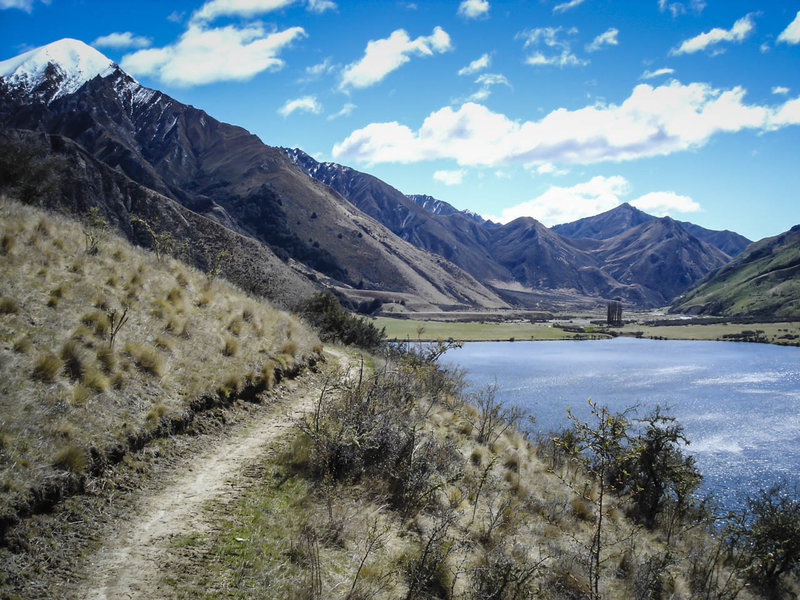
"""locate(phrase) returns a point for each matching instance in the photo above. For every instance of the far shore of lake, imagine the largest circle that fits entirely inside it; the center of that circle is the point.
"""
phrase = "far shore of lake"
(586, 327)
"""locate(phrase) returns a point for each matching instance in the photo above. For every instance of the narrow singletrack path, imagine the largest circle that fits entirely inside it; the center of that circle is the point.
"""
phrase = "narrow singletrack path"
(130, 564)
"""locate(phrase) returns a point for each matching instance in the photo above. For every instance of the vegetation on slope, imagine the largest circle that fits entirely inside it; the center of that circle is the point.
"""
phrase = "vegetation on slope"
(398, 485)
(104, 346)
(764, 280)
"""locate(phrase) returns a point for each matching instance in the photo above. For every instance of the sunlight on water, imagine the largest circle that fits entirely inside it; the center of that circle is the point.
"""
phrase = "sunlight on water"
(739, 403)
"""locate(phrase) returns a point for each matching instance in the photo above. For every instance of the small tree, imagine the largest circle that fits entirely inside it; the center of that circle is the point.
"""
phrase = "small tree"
(95, 229)
(599, 446)
(163, 241)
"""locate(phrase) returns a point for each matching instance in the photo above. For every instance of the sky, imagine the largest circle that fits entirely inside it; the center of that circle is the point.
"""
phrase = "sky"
(554, 109)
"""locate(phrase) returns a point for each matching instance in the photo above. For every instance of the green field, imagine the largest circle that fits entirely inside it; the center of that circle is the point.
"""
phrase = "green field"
(409, 329)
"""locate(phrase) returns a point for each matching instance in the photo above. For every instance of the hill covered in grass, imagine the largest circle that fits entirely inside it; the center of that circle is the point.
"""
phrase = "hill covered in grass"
(763, 281)
(104, 346)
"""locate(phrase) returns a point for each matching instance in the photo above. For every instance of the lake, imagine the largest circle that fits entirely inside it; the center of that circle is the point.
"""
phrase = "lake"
(739, 403)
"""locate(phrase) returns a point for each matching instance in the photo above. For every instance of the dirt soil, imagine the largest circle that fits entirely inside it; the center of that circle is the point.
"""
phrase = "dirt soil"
(138, 556)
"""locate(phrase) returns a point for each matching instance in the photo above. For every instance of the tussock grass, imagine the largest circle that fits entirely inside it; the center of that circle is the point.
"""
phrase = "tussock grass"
(70, 458)
(63, 368)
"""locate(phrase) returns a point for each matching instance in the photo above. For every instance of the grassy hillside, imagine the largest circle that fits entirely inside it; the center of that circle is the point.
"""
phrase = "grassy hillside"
(70, 399)
(764, 280)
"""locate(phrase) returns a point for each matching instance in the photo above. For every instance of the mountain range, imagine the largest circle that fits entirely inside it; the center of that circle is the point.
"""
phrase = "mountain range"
(300, 224)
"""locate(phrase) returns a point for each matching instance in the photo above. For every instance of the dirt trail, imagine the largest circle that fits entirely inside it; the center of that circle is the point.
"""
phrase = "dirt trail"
(129, 566)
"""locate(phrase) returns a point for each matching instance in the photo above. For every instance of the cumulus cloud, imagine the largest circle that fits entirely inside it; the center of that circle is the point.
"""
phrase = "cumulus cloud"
(657, 73)
(304, 104)
(474, 9)
(680, 8)
(740, 30)
(122, 40)
(565, 6)
(607, 38)
(347, 110)
(450, 177)
(202, 56)
(250, 8)
(560, 204)
(479, 64)
(557, 41)
(652, 121)
(662, 204)
(791, 35)
(385, 55)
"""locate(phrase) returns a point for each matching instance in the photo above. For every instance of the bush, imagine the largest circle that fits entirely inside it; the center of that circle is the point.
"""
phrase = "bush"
(147, 359)
(335, 324)
(47, 367)
(70, 458)
(8, 306)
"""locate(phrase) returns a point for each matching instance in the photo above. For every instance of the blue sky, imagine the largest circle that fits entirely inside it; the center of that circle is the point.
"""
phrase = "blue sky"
(548, 108)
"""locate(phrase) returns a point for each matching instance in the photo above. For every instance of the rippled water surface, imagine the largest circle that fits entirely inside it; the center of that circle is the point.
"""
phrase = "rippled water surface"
(739, 403)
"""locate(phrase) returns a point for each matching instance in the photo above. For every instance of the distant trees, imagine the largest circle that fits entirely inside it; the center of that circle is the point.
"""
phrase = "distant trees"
(614, 314)
(28, 168)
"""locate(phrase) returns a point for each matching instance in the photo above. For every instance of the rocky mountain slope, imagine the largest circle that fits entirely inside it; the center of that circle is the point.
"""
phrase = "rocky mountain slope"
(624, 217)
(623, 254)
(764, 280)
(222, 172)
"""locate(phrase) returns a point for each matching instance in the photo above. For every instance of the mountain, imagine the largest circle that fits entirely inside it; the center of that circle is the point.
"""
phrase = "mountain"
(764, 280)
(224, 173)
(622, 254)
(624, 217)
(440, 207)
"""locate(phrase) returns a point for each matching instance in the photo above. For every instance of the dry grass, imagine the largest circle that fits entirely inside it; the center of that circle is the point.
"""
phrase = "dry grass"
(57, 362)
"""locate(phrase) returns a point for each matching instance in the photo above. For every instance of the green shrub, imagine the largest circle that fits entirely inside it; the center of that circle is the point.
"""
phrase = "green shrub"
(335, 324)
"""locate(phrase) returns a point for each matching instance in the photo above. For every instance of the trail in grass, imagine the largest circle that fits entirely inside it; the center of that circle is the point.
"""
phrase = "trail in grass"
(133, 563)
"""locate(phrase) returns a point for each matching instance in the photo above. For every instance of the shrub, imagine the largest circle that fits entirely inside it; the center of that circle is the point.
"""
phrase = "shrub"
(97, 320)
(335, 324)
(148, 360)
(47, 367)
(8, 306)
(73, 359)
(7, 243)
(163, 343)
(70, 458)
(267, 375)
(95, 380)
(65, 430)
(156, 412)
(289, 347)
(231, 347)
(107, 359)
(22, 345)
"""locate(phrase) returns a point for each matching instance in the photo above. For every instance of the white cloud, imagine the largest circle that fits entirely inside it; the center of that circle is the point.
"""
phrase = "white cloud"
(607, 38)
(26, 5)
(791, 35)
(652, 121)
(780, 90)
(680, 8)
(304, 104)
(487, 81)
(176, 16)
(565, 204)
(122, 40)
(474, 9)
(450, 177)
(740, 30)
(250, 8)
(662, 204)
(202, 56)
(347, 110)
(556, 38)
(320, 69)
(657, 73)
(565, 6)
(479, 64)
(383, 56)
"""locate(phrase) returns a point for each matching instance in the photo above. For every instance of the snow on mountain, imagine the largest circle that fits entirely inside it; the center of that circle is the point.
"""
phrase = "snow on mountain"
(56, 69)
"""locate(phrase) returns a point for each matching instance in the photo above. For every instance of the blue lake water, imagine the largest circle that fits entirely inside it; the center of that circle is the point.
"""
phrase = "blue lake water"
(739, 403)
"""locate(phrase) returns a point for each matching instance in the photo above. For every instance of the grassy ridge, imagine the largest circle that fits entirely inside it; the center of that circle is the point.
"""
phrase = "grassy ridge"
(70, 399)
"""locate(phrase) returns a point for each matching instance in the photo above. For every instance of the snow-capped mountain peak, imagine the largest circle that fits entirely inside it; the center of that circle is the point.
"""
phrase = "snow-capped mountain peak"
(56, 69)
